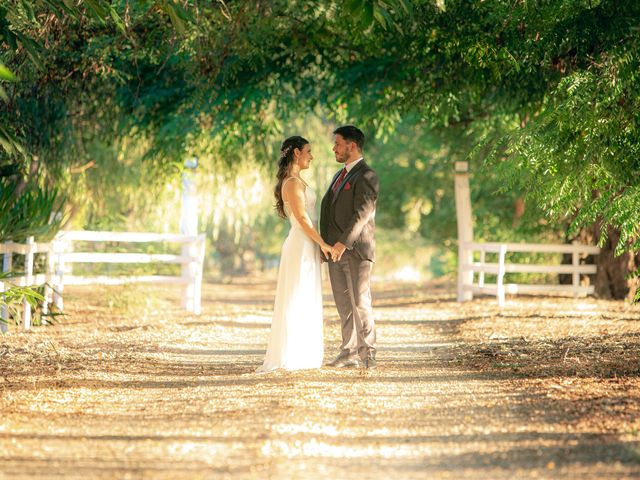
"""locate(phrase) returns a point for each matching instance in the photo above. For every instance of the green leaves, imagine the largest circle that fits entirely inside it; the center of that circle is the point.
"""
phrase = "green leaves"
(556, 82)
(8, 76)
(9, 142)
(33, 49)
(178, 15)
(579, 157)
(32, 212)
(389, 13)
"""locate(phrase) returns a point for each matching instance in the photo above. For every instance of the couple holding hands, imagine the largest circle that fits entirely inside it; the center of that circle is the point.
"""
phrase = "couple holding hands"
(345, 240)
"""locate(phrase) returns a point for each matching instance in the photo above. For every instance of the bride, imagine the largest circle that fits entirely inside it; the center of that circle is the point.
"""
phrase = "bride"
(296, 339)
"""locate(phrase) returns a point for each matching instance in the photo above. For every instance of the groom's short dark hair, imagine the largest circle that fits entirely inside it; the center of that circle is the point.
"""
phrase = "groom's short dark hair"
(351, 133)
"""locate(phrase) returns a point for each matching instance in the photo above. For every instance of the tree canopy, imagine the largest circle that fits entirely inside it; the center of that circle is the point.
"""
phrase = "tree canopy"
(542, 93)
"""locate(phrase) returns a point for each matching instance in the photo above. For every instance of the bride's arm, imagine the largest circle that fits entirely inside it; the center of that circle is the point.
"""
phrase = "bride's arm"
(293, 191)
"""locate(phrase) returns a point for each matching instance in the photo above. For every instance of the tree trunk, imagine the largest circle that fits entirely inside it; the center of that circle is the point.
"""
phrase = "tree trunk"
(611, 280)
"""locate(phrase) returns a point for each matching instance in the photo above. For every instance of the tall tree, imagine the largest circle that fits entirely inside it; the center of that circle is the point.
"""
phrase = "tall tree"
(546, 90)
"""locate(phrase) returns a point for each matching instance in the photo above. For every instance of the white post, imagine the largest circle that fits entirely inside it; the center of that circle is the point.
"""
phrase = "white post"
(483, 256)
(28, 263)
(197, 279)
(4, 317)
(59, 247)
(501, 270)
(465, 230)
(48, 280)
(189, 226)
(576, 275)
(7, 261)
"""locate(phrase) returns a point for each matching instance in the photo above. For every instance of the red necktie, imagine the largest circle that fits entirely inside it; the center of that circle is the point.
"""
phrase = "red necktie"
(339, 180)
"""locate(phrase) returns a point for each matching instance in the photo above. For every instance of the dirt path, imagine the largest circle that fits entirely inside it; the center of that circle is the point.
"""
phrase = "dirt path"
(128, 386)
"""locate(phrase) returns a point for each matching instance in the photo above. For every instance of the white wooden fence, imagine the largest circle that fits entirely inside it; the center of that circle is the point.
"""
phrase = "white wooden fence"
(499, 269)
(467, 267)
(60, 255)
(29, 250)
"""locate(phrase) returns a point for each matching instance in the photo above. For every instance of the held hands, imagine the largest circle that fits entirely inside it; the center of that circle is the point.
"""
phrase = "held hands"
(326, 250)
(337, 250)
(333, 253)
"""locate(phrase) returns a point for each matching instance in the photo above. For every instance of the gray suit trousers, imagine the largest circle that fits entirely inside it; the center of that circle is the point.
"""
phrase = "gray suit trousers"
(350, 283)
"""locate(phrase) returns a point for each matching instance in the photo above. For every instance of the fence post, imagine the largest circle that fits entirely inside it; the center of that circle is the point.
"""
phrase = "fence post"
(501, 270)
(189, 274)
(465, 230)
(189, 226)
(575, 260)
(7, 262)
(483, 256)
(28, 264)
(3, 314)
(50, 272)
(197, 279)
(59, 247)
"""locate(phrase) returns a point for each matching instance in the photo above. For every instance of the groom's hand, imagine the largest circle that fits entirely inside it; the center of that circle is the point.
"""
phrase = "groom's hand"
(337, 251)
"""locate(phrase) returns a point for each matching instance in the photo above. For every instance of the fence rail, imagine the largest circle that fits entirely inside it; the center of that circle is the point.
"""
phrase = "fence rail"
(60, 256)
(106, 236)
(25, 249)
(123, 258)
(532, 247)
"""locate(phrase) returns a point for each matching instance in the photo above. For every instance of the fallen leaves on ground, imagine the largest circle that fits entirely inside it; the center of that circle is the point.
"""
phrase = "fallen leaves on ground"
(127, 385)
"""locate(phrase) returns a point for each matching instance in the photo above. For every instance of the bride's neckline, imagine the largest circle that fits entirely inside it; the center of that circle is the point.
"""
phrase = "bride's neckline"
(295, 176)
(306, 185)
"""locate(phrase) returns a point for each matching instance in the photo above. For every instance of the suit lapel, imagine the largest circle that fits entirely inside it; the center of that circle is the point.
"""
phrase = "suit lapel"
(354, 171)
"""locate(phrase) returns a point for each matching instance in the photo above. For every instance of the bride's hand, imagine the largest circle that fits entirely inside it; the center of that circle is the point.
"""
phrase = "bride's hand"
(326, 250)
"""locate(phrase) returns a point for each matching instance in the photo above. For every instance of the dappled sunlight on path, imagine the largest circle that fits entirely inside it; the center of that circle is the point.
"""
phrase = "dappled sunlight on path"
(129, 385)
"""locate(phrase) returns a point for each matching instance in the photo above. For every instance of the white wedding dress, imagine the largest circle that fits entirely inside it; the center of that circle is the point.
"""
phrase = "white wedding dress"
(296, 340)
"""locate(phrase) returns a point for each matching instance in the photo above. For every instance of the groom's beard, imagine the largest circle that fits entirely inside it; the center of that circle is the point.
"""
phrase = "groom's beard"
(342, 158)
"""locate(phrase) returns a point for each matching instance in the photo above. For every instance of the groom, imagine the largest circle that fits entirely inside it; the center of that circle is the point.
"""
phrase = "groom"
(347, 221)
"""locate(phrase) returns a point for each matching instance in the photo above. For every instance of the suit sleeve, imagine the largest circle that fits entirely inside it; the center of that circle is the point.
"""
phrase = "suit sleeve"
(366, 195)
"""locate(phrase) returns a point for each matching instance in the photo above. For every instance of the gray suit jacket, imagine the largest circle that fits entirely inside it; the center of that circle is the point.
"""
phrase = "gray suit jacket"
(348, 216)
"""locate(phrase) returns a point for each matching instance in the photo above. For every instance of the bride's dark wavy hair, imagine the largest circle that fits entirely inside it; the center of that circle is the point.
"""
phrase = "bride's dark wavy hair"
(286, 158)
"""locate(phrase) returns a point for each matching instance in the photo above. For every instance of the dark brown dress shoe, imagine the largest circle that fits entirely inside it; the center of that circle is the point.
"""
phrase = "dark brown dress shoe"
(370, 363)
(344, 361)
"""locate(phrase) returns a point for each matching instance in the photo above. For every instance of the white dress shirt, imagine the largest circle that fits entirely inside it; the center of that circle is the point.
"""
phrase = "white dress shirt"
(350, 166)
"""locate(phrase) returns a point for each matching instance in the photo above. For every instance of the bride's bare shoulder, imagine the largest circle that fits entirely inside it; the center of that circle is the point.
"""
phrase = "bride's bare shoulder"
(296, 184)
